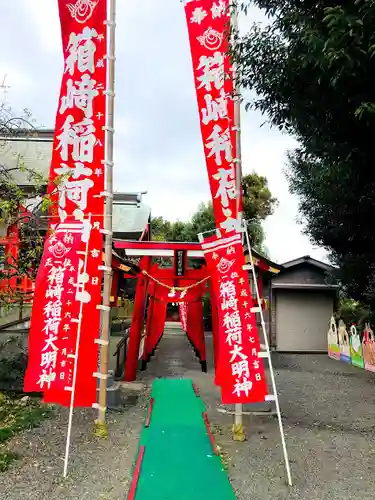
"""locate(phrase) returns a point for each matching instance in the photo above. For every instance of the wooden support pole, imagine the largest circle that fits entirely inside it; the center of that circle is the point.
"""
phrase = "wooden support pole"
(100, 423)
(238, 430)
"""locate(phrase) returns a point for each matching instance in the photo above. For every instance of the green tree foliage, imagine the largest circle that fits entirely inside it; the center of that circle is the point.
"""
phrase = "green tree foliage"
(351, 311)
(312, 70)
(14, 201)
(258, 203)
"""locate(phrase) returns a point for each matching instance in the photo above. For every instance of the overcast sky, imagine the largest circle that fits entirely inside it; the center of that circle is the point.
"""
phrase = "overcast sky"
(158, 146)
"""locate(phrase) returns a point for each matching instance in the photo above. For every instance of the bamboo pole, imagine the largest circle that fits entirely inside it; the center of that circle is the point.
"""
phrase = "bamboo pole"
(238, 430)
(75, 369)
(101, 425)
(272, 374)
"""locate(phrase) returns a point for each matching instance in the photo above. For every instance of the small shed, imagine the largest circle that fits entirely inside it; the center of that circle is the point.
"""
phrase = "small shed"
(303, 300)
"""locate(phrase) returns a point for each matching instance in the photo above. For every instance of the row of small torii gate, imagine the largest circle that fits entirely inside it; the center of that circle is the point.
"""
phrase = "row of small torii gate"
(157, 286)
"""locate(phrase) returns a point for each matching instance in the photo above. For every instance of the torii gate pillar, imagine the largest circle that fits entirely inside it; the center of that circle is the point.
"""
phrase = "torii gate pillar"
(138, 318)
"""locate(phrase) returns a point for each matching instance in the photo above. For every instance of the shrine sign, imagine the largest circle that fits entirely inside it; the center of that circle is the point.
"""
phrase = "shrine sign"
(240, 371)
(208, 24)
(68, 286)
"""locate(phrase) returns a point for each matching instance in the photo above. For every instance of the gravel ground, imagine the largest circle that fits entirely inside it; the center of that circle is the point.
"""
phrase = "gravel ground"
(328, 410)
(98, 469)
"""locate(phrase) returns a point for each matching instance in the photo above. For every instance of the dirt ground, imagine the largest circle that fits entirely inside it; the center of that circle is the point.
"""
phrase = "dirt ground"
(328, 413)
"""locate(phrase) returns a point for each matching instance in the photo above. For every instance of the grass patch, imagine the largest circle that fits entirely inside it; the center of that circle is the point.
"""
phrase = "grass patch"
(6, 458)
(16, 414)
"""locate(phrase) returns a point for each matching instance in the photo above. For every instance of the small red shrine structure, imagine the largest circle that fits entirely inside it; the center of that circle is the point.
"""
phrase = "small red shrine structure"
(10, 246)
(156, 287)
(185, 280)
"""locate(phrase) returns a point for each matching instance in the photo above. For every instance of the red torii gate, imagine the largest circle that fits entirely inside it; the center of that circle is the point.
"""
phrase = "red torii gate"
(178, 283)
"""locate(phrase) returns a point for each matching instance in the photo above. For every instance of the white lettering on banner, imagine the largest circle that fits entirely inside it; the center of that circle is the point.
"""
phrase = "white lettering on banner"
(95, 253)
(213, 71)
(230, 251)
(54, 291)
(230, 223)
(241, 369)
(243, 293)
(237, 352)
(244, 386)
(227, 187)
(68, 238)
(227, 290)
(80, 136)
(46, 378)
(75, 191)
(218, 9)
(53, 309)
(80, 96)
(232, 320)
(215, 108)
(233, 335)
(51, 338)
(256, 364)
(49, 359)
(219, 142)
(198, 16)
(81, 50)
(229, 304)
(74, 172)
(56, 275)
(81, 294)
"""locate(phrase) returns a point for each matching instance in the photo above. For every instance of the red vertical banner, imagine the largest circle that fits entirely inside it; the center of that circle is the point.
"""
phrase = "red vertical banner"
(76, 188)
(182, 306)
(208, 24)
(240, 371)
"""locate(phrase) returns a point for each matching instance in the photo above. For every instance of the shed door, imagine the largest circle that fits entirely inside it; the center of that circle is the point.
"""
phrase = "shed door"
(302, 319)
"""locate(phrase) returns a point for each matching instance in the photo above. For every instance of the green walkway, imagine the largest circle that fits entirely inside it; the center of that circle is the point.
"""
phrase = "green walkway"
(178, 460)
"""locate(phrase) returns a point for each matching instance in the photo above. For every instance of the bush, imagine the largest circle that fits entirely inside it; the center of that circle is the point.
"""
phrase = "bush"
(351, 311)
(13, 362)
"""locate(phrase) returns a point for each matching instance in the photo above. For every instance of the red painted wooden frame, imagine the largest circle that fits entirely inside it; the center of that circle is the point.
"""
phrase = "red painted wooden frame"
(209, 432)
(149, 411)
(136, 475)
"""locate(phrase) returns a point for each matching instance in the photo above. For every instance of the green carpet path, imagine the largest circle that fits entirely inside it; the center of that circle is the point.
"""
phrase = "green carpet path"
(179, 462)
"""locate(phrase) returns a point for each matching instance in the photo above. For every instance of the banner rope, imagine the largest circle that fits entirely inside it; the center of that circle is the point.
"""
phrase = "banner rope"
(175, 288)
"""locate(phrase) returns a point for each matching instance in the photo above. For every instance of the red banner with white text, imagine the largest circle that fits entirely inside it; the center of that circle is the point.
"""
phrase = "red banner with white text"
(182, 307)
(208, 25)
(76, 188)
(240, 371)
